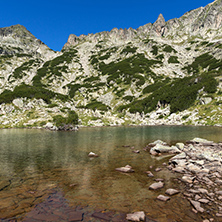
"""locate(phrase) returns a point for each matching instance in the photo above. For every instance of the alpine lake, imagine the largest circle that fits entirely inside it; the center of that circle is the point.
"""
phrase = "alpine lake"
(37, 163)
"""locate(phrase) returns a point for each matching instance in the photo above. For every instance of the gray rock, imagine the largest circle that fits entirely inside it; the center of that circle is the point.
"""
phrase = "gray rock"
(137, 216)
(171, 191)
(180, 146)
(156, 186)
(200, 140)
(163, 198)
(18, 102)
(159, 148)
(126, 169)
(197, 206)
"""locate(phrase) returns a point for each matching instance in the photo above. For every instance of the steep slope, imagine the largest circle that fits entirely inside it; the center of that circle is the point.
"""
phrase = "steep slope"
(161, 73)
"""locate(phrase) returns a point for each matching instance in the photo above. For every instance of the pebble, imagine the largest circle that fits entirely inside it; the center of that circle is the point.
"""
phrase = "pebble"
(163, 198)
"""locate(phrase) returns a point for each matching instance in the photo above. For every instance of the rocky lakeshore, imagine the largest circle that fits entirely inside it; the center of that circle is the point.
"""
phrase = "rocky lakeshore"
(198, 164)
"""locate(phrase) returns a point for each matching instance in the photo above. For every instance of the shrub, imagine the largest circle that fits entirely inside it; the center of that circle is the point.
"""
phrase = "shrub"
(173, 59)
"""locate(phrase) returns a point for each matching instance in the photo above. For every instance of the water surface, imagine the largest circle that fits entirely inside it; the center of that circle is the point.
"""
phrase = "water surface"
(35, 161)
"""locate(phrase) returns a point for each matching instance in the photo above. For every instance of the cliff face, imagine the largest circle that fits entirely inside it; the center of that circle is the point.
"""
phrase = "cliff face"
(168, 72)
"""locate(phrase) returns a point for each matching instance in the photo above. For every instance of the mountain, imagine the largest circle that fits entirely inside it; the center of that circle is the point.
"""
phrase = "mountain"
(168, 72)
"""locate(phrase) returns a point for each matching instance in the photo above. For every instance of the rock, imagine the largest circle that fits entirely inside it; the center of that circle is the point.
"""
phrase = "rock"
(158, 169)
(179, 170)
(180, 146)
(205, 201)
(156, 186)
(205, 100)
(179, 156)
(149, 174)
(218, 181)
(137, 216)
(197, 206)
(171, 191)
(126, 169)
(159, 148)
(193, 168)
(75, 216)
(159, 179)
(136, 151)
(218, 215)
(91, 154)
(18, 102)
(219, 192)
(200, 140)
(163, 198)
(188, 179)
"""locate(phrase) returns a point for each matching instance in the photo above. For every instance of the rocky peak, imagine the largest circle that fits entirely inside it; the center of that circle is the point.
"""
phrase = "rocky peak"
(159, 25)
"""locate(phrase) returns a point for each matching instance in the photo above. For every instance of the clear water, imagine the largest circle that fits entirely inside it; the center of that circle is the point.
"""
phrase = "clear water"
(35, 161)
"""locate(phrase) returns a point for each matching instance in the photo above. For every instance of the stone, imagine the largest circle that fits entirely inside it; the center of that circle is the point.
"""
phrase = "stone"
(159, 148)
(218, 215)
(218, 181)
(172, 191)
(179, 170)
(179, 156)
(156, 186)
(197, 206)
(188, 179)
(163, 198)
(200, 140)
(158, 169)
(18, 102)
(137, 216)
(136, 151)
(193, 168)
(126, 169)
(205, 201)
(91, 154)
(149, 174)
(180, 146)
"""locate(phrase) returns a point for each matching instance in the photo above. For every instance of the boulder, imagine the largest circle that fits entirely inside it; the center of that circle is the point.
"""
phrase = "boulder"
(180, 146)
(126, 169)
(163, 198)
(200, 140)
(137, 216)
(171, 192)
(156, 186)
(159, 148)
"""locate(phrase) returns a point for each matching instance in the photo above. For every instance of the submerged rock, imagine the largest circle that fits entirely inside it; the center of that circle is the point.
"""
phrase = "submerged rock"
(171, 192)
(91, 154)
(137, 216)
(126, 169)
(156, 186)
(163, 198)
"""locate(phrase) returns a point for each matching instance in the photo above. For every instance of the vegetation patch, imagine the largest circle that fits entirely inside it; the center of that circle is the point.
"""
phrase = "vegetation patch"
(173, 59)
(169, 49)
(61, 121)
(97, 106)
(180, 94)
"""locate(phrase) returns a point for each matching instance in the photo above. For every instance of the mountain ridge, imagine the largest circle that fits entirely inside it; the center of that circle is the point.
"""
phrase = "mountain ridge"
(168, 72)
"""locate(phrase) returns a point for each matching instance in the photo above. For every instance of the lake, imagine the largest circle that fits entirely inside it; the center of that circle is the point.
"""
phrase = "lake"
(33, 162)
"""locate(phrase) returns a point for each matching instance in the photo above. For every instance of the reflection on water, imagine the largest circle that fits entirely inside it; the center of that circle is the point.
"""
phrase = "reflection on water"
(33, 161)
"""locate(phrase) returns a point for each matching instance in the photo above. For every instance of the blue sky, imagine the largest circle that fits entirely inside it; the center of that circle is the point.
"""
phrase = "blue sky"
(53, 21)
